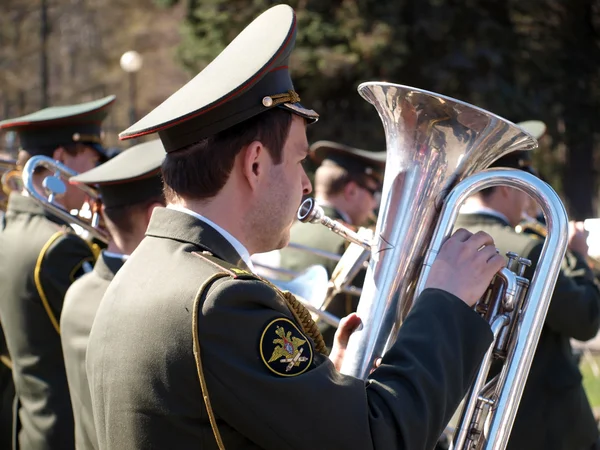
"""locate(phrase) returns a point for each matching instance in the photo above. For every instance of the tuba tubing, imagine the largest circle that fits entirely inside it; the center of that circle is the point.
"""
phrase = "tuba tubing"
(537, 299)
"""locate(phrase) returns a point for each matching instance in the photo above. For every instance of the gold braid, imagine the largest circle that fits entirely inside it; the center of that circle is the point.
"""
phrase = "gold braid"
(303, 317)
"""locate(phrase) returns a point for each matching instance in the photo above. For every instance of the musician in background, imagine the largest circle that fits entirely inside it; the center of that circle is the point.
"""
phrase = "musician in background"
(348, 184)
(40, 256)
(7, 386)
(130, 187)
(190, 349)
(554, 412)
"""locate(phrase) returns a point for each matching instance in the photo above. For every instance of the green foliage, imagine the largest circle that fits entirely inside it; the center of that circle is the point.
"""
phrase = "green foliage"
(521, 60)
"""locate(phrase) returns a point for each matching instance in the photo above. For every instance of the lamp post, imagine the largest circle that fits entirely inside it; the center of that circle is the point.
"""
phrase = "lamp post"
(131, 62)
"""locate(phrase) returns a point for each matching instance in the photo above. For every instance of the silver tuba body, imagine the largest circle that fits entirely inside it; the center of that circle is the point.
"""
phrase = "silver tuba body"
(433, 142)
(437, 151)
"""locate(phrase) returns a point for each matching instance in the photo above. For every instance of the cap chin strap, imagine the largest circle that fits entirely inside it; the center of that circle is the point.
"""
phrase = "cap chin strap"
(278, 99)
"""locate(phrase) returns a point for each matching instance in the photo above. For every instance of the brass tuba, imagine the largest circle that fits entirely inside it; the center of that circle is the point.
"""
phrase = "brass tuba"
(437, 150)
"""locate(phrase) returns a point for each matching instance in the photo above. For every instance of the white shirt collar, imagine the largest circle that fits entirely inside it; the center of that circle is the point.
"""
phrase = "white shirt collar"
(237, 245)
(478, 209)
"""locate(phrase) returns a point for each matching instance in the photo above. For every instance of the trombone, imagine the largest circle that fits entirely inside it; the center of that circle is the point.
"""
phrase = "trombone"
(54, 186)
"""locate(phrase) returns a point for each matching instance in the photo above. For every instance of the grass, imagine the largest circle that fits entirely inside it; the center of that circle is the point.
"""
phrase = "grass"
(591, 380)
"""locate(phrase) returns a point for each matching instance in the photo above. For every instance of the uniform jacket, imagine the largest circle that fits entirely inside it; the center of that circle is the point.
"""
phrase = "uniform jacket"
(171, 298)
(554, 412)
(7, 394)
(81, 303)
(40, 257)
(321, 238)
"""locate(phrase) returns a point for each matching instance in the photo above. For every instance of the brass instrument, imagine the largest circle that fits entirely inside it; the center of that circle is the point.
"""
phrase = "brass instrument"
(310, 288)
(54, 186)
(10, 179)
(437, 150)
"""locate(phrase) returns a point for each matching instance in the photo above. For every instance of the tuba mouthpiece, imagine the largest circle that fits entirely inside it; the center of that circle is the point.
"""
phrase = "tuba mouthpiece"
(310, 212)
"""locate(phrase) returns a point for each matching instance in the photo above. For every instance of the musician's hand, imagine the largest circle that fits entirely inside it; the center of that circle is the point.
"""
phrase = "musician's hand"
(578, 238)
(466, 265)
(348, 325)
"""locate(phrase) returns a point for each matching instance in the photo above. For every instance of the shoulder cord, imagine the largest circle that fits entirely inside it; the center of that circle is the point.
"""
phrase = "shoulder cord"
(38, 281)
(300, 313)
(303, 317)
(38, 272)
(196, 343)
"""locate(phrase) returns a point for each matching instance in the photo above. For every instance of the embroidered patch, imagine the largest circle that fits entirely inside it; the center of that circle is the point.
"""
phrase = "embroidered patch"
(284, 349)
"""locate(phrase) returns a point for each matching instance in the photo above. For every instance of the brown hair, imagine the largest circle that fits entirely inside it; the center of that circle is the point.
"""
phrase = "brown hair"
(122, 217)
(200, 170)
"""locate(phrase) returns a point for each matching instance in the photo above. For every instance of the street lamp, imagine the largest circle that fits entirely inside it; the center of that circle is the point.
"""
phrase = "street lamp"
(131, 62)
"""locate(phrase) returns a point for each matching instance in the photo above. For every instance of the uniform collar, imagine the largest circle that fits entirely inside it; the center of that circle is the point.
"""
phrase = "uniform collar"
(482, 217)
(237, 245)
(21, 204)
(484, 211)
(107, 266)
(179, 226)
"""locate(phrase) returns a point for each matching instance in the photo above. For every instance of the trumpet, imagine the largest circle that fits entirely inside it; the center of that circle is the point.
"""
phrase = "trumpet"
(54, 186)
(437, 151)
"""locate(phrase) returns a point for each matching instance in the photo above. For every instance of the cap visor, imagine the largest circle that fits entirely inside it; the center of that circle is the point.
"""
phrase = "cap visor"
(296, 108)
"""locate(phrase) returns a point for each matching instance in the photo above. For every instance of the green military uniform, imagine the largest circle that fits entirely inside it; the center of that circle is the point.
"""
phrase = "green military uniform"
(128, 179)
(40, 256)
(554, 412)
(189, 348)
(358, 163)
(7, 395)
(172, 299)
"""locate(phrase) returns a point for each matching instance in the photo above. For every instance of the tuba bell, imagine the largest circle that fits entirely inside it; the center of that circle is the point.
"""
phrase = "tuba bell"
(437, 151)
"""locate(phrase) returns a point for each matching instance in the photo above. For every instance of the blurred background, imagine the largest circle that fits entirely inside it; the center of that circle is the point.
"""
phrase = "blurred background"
(523, 60)
(534, 59)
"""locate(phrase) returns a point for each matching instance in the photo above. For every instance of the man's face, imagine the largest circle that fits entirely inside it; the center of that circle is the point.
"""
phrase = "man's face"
(365, 202)
(517, 202)
(285, 186)
(85, 159)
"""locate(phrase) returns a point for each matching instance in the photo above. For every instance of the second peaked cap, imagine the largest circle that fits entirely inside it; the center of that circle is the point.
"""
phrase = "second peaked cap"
(248, 77)
(131, 177)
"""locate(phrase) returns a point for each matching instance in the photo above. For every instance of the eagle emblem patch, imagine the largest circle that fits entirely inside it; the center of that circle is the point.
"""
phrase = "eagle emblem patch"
(284, 349)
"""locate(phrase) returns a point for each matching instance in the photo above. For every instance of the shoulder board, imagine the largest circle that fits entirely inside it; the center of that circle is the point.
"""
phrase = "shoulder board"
(231, 269)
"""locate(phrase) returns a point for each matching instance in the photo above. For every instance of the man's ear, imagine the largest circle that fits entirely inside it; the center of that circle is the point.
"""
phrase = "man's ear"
(254, 160)
(350, 190)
